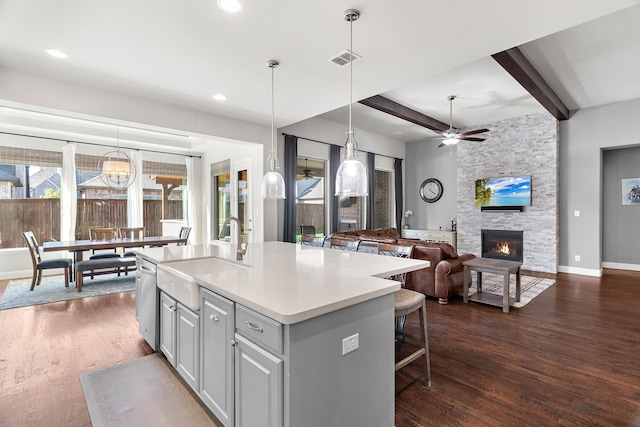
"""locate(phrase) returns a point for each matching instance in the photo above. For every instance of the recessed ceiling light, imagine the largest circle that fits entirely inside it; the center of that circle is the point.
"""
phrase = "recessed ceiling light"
(232, 6)
(56, 53)
(219, 97)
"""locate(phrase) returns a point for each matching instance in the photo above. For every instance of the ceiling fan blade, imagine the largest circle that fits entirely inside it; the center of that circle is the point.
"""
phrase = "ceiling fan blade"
(474, 132)
(442, 144)
(465, 138)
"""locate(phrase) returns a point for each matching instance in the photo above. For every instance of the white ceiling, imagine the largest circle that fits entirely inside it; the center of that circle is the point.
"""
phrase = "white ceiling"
(415, 52)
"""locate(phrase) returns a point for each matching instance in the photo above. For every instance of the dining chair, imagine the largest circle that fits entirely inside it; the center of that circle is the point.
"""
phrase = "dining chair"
(184, 234)
(344, 245)
(308, 230)
(39, 264)
(131, 233)
(103, 233)
(312, 241)
(368, 247)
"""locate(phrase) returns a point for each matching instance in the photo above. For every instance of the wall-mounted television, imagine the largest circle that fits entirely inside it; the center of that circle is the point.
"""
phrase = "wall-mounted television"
(504, 191)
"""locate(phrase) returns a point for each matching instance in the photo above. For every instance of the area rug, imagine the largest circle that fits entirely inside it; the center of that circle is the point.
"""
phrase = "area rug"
(52, 289)
(530, 287)
(141, 392)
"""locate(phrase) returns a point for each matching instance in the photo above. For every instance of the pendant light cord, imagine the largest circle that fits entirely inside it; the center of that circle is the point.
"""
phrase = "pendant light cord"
(273, 113)
(273, 158)
(350, 74)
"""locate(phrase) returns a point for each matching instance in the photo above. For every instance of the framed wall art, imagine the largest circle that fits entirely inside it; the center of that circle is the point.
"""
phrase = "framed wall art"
(631, 191)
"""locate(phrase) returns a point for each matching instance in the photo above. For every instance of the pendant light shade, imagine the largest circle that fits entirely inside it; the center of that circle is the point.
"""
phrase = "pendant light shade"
(272, 181)
(351, 178)
(118, 171)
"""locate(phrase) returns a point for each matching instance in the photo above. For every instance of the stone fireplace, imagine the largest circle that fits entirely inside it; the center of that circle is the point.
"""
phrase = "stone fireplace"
(502, 244)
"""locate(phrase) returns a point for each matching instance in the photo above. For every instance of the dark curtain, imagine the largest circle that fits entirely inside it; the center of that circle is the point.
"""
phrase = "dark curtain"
(371, 187)
(290, 167)
(334, 164)
(397, 165)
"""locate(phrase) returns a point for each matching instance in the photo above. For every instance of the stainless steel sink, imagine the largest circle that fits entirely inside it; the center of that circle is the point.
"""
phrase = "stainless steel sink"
(177, 278)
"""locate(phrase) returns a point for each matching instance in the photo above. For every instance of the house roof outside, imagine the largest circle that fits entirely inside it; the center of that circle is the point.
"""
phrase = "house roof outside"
(7, 177)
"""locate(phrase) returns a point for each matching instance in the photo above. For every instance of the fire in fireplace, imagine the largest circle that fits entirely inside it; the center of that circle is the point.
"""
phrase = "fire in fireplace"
(502, 244)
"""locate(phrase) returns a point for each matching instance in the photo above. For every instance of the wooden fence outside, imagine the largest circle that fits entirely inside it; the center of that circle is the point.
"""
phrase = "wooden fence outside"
(310, 214)
(42, 216)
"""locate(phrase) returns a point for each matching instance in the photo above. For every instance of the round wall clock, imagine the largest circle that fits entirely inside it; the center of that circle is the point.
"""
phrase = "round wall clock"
(431, 190)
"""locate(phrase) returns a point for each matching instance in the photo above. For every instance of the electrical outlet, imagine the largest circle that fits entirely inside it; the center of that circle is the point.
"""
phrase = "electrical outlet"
(577, 258)
(350, 344)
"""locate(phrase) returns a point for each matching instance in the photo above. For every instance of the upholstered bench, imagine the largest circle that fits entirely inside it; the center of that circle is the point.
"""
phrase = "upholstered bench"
(103, 266)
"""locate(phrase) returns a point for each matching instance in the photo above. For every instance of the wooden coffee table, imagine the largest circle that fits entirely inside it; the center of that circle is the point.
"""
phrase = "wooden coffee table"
(496, 266)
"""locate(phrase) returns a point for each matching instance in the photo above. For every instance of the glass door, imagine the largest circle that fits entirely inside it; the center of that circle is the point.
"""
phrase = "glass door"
(241, 202)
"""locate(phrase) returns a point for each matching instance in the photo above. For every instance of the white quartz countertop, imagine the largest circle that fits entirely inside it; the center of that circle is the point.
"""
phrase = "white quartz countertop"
(289, 282)
(184, 252)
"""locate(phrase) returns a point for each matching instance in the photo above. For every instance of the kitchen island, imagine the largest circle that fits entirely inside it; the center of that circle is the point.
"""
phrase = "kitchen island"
(289, 336)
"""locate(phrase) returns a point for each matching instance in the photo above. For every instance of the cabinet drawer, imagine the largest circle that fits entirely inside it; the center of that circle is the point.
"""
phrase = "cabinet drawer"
(259, 328)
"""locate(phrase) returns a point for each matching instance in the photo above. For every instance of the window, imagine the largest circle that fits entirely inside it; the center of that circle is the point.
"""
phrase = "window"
(29, 195)
(220, 198)
(310, 201)
(102, 206)
(384, 202)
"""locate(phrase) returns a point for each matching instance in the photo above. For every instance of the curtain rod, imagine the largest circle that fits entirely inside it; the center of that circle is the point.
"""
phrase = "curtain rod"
(96, 144)
(329, 143)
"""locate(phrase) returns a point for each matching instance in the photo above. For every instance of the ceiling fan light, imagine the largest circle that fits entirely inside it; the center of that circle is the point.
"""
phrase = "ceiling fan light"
(450, 141)
(273, 186)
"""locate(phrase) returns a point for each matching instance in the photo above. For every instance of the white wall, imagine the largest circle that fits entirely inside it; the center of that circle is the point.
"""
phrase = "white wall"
(426, 160)
(334, 133)
(214, 135)
(582, 139)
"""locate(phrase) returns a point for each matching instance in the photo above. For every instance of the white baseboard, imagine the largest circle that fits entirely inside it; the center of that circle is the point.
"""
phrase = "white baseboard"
(581, 271)
(621, 266)
(18, 274)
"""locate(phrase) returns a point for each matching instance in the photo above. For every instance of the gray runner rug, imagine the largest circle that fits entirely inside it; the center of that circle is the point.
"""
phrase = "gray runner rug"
(141, 392)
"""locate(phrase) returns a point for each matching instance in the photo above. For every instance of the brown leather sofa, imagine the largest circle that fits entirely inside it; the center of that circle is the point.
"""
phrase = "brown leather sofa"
(442, 279)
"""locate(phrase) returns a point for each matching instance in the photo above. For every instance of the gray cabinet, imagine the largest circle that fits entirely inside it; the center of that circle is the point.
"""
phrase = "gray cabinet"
(180, 338)
(255, 371)
(216, 355)
(188, 345)
(259, 386)
(168, 307)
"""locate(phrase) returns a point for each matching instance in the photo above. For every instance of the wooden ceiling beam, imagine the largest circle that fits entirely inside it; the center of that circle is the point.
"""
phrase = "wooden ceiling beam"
(516, 64)
(398, 110)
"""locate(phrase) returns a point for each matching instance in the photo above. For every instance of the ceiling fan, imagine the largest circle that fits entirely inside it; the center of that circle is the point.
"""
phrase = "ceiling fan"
(451, 135)
(306, 172)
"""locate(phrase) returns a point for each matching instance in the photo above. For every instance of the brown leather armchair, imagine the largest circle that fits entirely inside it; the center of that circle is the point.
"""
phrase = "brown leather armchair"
(445, 276)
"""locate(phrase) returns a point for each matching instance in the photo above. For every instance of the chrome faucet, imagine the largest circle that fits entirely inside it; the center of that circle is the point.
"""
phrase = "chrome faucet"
(239, 252)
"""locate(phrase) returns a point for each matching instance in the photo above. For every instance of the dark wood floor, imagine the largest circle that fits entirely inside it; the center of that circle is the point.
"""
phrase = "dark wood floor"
(571, 357)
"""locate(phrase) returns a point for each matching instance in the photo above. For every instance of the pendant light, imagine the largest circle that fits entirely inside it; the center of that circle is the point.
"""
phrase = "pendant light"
(118, 171)
(272, 182)
(351, 178)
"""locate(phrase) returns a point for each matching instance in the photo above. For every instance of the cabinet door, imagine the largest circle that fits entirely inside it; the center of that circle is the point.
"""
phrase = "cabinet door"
(216, 360)
(168, 327)
(188, 346)
(259, 386)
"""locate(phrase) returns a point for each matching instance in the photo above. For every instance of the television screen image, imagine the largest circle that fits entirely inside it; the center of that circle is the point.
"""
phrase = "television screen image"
(504, 191)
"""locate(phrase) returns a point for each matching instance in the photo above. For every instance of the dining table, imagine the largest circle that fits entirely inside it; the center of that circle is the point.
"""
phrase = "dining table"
(78, 247)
